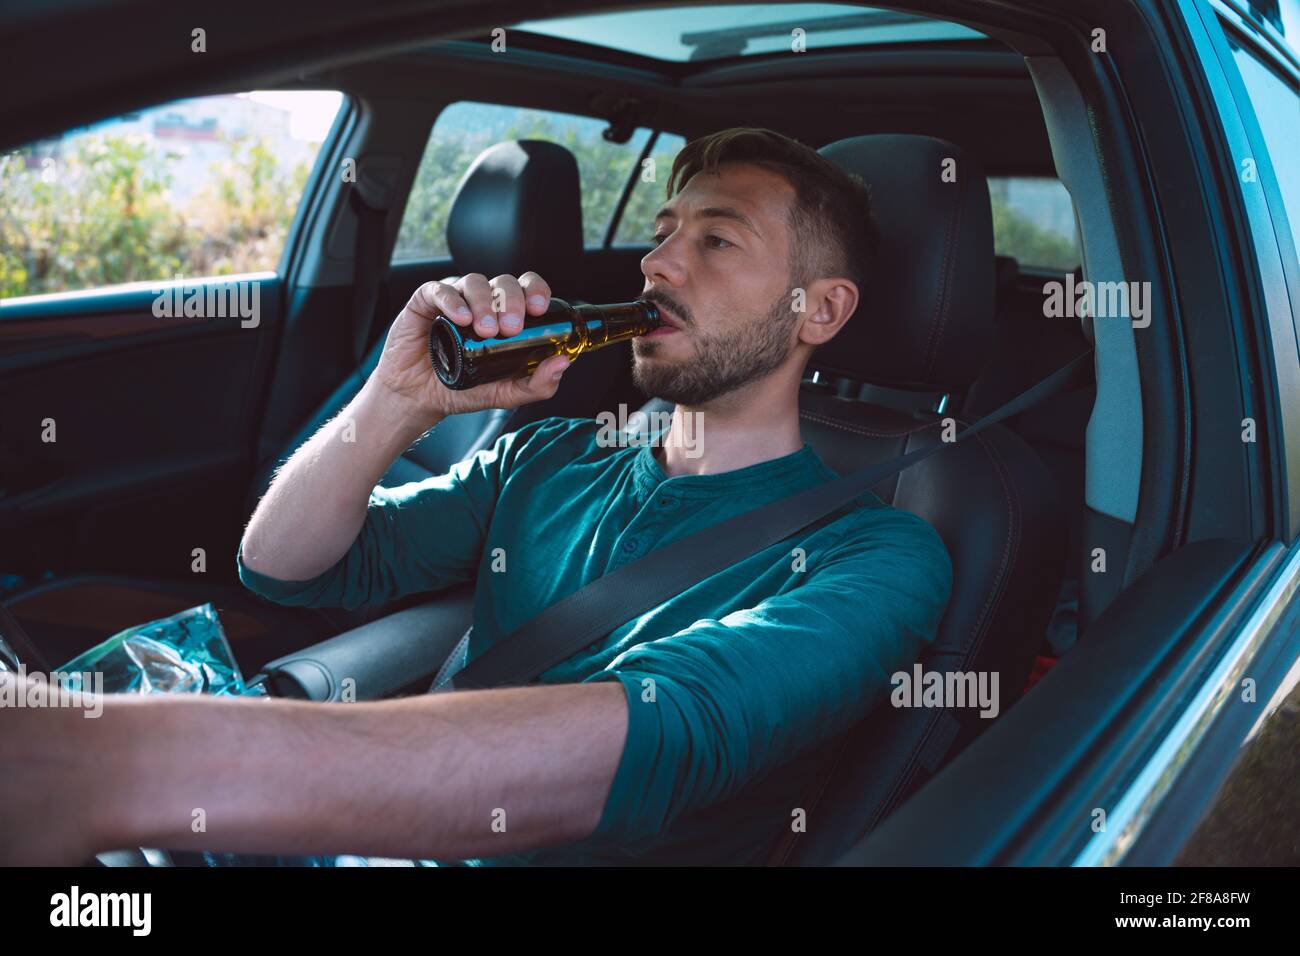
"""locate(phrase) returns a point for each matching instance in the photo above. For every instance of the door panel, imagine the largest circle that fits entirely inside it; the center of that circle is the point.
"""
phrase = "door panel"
(126, 438)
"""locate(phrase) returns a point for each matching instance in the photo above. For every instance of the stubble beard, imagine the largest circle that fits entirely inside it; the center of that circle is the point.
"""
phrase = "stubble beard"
(720, 363)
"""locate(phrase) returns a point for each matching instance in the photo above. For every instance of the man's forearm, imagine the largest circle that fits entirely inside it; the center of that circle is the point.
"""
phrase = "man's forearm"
(451, 776)
(316, 505)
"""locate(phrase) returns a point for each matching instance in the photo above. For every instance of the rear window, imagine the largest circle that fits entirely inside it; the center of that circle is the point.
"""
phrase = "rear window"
(1033, 221)
(636, 227)
(199, 187)
(465, 129)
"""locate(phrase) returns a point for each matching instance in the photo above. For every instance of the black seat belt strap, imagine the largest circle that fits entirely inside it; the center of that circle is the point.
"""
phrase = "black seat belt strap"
(599, 607)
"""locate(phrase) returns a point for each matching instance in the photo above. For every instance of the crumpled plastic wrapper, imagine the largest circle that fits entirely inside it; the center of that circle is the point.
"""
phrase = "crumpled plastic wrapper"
(187, 653)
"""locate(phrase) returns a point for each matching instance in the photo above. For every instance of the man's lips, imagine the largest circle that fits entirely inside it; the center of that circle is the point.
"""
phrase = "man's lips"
(670, 322)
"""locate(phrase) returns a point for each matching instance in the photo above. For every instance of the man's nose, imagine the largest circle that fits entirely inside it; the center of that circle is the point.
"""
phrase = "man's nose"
(663, 264)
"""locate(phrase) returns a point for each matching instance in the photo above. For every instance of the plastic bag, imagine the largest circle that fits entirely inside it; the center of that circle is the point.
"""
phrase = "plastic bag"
(186, 653)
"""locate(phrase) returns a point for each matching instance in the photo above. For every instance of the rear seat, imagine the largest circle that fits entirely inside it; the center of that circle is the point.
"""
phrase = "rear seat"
(518, 208)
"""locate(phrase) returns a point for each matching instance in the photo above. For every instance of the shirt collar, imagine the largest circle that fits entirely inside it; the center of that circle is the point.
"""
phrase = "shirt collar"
(801, 468)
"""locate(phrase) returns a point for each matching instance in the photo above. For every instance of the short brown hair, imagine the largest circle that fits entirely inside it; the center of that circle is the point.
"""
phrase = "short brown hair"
(832, 230)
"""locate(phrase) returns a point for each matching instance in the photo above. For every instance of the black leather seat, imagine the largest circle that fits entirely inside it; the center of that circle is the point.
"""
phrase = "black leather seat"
(518, 207)
(926, 327)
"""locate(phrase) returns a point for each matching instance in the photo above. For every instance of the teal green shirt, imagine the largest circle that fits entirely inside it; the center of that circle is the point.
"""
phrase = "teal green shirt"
(736, 688)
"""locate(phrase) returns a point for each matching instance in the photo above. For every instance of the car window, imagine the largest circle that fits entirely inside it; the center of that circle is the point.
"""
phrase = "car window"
(465, 129)
(637, 222)
(1033, 221)
(199, 187)
(699, 33)
(1033, 217)
(1277, 107)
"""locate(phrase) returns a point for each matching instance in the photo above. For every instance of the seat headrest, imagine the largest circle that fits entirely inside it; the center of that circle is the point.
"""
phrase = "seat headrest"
(519, 208)
(926, 321)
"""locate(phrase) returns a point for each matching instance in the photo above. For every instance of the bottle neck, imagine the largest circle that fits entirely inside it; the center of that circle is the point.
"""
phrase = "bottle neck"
(604, 324)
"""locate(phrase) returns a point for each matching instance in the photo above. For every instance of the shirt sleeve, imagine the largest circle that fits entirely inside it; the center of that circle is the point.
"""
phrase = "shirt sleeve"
(421, 536)
(714, 706)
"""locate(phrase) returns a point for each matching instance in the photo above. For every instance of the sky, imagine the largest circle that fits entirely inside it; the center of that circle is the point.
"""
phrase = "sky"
(311, 112)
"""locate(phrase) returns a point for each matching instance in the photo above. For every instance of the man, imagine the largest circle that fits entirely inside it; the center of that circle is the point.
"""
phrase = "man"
(688, 735)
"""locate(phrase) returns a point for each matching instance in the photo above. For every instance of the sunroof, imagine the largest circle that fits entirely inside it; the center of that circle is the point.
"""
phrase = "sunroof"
(717, 31)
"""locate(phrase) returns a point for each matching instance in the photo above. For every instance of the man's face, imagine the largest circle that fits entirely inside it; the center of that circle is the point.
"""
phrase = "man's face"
(720, 270)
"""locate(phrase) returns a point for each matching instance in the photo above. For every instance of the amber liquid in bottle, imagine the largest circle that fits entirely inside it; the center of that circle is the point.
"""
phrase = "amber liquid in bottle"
(462, 359)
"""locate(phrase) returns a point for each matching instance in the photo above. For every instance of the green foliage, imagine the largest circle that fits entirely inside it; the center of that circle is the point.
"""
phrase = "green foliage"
(243, 216)
(424, 223)
(647, 196)
(97, 213)
(100, 214)
(1032, 245)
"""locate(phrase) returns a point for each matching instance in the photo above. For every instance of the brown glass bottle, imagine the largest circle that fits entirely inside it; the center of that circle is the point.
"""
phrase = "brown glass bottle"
(462, 359)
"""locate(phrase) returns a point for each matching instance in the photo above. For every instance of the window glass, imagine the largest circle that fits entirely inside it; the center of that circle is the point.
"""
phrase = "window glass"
(1277, 107)
(637, 222)
(713, 32)
(463, 130)
(198, 187)
(1033, 221)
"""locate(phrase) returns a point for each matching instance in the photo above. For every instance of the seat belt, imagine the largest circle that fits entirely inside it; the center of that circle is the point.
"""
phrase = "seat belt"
(369, 269)
(599, 607)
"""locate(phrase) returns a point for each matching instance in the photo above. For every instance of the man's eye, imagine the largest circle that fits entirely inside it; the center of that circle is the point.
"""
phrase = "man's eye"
(717, 242)
(658, 238)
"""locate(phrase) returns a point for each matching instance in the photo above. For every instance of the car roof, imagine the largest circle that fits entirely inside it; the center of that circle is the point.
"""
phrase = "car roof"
(972, 91)
(713, 32)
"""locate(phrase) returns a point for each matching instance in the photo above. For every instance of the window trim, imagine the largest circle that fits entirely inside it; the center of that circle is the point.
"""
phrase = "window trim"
(297, 251)
(1269, 241)
(1261, 35)
(616, 218)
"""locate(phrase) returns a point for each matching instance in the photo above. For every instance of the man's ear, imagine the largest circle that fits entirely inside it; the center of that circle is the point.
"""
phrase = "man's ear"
(830, 303)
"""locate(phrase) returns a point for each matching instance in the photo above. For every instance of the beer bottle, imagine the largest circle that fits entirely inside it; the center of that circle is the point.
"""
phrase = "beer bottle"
(462, 359)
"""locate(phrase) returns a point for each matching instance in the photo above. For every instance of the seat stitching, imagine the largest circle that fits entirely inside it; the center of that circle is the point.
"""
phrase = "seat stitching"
(912, 762)
(945, 285)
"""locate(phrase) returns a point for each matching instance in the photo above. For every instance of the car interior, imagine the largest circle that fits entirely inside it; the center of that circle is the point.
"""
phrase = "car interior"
(952, 327)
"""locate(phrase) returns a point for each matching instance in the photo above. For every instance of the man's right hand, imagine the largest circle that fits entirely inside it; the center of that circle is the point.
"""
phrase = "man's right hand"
(405, 369)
